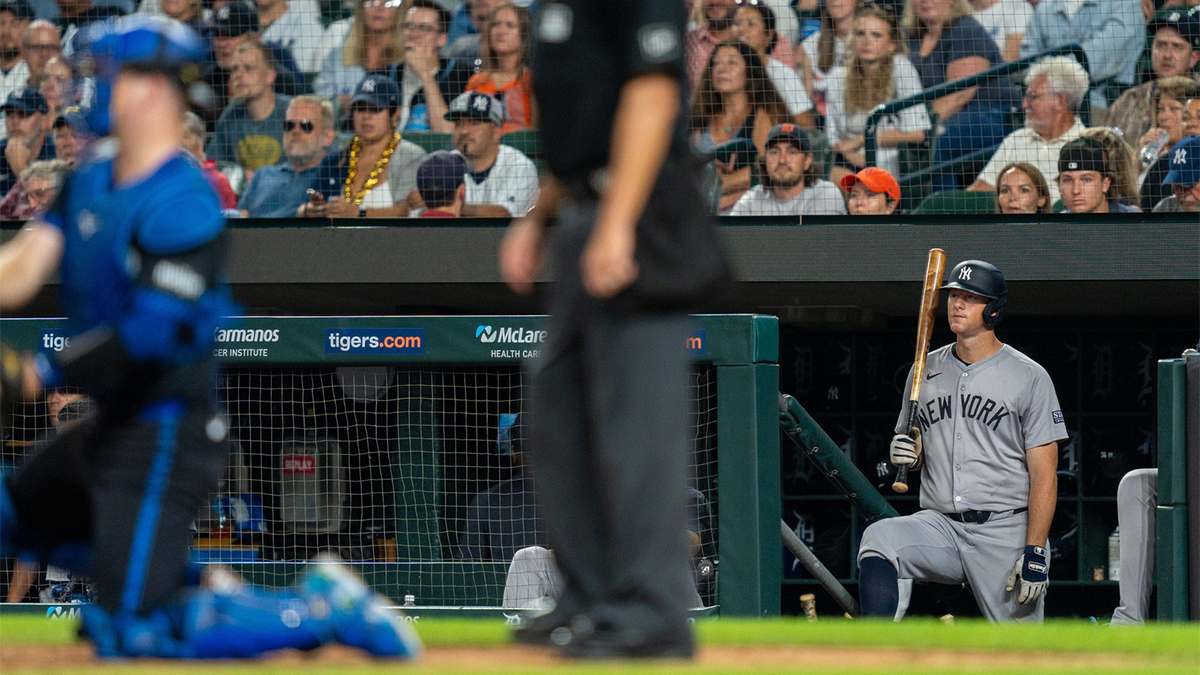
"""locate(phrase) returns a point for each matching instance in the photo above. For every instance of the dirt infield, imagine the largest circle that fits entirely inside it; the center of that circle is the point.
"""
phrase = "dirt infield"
(761, 659)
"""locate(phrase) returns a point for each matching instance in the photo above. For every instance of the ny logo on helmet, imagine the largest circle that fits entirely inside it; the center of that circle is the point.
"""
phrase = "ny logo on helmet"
(965, 274)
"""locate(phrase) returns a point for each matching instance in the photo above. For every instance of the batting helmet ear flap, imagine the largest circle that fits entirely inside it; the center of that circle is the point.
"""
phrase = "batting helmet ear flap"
(982, 279)
(993, 312)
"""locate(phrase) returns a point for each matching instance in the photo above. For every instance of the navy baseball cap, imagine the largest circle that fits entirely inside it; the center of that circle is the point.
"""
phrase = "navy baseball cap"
(790, 133)
(377, 90)
(19, 8)
(477, 106)
(1188, 24)
(27, 100)
(439, 175)
(1185, 163)
(234, 19)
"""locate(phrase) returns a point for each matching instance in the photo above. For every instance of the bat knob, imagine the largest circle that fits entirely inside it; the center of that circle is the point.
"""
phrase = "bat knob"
(900, 487)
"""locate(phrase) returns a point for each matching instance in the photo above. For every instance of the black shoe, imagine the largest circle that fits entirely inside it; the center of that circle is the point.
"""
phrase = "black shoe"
(549, 630)
(674, 644)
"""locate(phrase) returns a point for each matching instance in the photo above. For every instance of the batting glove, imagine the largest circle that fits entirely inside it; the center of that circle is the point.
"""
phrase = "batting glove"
(905, 449)
(1032, 569)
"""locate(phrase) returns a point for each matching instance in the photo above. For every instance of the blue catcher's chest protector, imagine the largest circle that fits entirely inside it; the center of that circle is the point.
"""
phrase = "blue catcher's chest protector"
(171, 210)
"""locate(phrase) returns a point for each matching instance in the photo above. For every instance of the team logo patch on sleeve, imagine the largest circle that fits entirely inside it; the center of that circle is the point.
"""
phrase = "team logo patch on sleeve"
(659, 42)
(1057, 416)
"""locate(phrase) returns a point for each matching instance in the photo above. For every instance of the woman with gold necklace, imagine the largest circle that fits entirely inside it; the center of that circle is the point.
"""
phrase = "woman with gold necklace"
(377, 170)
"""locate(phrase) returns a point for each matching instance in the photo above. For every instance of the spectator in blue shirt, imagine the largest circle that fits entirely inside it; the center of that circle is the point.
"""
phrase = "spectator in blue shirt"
(250, 130)
(278, 191)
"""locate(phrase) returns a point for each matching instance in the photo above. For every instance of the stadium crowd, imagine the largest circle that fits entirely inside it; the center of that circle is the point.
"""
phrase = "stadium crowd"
(340, 108)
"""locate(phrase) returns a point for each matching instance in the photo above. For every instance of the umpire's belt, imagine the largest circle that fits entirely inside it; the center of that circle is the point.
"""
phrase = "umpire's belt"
(587, 187)
(982, 516)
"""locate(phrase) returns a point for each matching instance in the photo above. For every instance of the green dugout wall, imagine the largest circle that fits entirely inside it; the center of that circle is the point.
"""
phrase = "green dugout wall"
(743, 350)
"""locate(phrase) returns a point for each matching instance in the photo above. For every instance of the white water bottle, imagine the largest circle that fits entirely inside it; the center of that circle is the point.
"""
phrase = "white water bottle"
(1114, 555)
(1149, 153)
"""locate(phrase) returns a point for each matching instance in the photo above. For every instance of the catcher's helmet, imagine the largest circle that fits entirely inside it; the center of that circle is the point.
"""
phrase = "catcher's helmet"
(983, 279)
(141, 42)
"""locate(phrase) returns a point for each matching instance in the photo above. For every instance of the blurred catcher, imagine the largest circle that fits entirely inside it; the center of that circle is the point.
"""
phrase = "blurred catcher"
(138, 240)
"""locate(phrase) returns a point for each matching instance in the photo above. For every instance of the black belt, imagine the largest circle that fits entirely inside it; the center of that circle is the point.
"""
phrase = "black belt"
(586, 187)
(981, 516)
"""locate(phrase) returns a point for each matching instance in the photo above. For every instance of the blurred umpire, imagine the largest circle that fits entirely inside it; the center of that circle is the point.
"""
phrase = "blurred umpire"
(138, 239)
(634, 248)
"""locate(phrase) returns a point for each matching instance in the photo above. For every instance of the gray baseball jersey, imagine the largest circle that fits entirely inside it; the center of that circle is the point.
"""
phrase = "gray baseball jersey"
(977, 421)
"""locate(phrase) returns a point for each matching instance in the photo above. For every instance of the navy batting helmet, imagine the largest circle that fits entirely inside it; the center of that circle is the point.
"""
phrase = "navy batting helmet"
(982, 279)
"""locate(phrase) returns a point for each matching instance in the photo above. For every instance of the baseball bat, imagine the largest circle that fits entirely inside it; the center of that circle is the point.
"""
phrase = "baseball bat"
(935, 267)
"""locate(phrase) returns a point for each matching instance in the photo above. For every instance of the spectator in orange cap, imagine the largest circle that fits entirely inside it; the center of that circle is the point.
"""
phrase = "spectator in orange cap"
(873, 192)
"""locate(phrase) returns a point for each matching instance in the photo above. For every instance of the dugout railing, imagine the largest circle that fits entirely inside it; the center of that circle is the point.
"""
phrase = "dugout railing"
(879, 112)
(447, 380)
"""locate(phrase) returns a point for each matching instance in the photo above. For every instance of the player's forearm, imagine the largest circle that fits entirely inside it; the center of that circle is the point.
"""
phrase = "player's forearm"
(436, 106)
(27, 262)
(642, 129)
(1043, 492)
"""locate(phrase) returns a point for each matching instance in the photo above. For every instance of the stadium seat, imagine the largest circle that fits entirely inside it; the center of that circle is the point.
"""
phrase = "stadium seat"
(957, 202)
(525, 140)
(429, 140)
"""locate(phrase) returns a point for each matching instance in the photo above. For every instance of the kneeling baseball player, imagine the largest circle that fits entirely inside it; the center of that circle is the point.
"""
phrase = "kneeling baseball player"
(986, 442)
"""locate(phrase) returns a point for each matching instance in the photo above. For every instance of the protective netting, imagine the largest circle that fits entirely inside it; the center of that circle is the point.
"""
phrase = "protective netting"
(353, 100)
(419, 469)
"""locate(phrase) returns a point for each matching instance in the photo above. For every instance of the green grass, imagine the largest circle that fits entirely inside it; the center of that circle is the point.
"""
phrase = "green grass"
(1154, 649)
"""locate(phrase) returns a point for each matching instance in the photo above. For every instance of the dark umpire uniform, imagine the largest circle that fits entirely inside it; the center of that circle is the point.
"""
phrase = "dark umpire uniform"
(609, 411)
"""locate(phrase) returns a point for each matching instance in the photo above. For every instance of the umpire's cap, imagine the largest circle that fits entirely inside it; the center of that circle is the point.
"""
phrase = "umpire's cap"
(982, 279)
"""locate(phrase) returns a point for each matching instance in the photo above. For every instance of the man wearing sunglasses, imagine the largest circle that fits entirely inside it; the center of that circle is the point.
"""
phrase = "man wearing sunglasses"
(278, 191)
